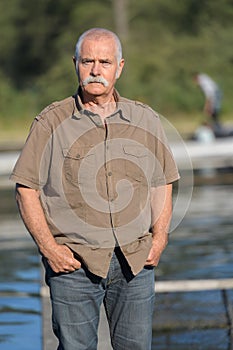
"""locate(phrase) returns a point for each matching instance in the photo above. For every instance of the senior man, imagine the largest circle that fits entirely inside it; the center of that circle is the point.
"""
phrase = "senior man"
(94, 189)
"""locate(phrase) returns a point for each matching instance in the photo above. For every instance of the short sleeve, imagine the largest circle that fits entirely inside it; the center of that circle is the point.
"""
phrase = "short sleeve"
(27, 168)
(165, 169)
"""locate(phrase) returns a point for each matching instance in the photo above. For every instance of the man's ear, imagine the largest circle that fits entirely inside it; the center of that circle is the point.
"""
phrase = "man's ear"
(120, 67)
(74, 61)
(75, 65)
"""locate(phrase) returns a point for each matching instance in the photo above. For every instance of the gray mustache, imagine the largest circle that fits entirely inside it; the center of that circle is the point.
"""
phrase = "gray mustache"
(90, 79)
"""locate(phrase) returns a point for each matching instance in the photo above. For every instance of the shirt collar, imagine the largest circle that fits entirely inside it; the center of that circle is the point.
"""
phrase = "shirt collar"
(95, 117)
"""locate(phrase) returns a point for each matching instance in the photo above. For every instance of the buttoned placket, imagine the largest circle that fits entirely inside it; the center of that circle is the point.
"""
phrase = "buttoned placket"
(109, 175)
(108, 136)
(110, 180)
(109, 172)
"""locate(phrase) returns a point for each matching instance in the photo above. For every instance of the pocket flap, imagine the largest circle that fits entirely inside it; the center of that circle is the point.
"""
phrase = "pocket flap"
(136, 151)
(77, 153)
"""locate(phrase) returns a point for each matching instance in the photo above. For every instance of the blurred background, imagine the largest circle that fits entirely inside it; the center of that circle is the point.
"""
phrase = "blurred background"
(164, 42)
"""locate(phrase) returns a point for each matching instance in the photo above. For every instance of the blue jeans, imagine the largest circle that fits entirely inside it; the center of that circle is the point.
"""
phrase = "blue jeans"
(128, 300)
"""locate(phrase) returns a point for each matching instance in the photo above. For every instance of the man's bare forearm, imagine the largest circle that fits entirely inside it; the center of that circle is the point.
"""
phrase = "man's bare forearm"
(60, 257)
(33, 217)
(161, 209)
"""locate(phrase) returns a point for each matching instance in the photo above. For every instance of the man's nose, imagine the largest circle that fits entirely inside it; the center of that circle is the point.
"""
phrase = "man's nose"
(95, 70)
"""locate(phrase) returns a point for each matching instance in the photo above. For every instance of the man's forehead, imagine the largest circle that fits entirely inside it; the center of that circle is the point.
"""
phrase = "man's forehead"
(105, 46)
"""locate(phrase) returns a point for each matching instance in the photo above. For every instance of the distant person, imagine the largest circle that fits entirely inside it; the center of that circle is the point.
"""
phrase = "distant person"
(213, 100)
(94, 189)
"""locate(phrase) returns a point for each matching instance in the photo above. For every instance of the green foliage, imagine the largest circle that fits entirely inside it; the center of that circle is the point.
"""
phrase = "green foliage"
(167, 41)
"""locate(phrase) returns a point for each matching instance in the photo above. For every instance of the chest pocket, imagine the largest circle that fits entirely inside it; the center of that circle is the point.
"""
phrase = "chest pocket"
(79, 164)
(136, 160)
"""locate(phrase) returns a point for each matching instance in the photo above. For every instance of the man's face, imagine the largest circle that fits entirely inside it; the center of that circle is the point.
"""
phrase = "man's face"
(97, 66)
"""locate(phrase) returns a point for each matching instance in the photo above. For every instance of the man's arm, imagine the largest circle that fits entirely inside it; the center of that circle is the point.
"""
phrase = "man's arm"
(161, 207)
(208, 107)
(60, 257)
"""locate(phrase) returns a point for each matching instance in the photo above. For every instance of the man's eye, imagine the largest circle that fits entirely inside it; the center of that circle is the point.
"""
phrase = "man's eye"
(106, 63)
(86, 62)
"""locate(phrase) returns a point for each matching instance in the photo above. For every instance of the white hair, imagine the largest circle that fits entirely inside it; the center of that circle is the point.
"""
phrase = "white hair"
(97, 33)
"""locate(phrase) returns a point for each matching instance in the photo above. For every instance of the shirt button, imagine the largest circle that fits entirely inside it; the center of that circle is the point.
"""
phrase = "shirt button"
(109, 173)
(78, 155)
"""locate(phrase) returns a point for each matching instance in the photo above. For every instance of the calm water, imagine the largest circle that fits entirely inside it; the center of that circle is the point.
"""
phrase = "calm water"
(20, 307)
(201, 247)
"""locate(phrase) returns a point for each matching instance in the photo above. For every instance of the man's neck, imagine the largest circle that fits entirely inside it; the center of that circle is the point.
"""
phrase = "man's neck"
(101, 105)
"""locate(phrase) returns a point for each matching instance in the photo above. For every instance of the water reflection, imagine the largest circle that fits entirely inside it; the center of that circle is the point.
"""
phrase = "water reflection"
(201, 247)
(20, 309)
(20, 323)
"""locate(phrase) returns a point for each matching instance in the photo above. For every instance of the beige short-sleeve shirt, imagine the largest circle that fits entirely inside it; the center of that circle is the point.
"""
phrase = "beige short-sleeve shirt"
(95, 179)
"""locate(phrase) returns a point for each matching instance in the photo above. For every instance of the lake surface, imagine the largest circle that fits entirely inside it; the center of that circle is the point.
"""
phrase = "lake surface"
(20, 306)
(199, 248)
